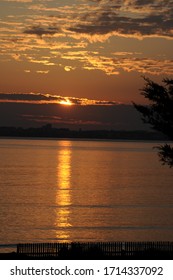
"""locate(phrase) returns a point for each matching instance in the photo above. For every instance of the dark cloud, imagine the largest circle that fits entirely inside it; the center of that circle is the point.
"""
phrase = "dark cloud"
(155, 20)
(151, 3)
(47, 98)
(60, 120)
(142, 2)
(106, 103)
(39, 30)
(123, 25)
(26, 97)
(32, 97)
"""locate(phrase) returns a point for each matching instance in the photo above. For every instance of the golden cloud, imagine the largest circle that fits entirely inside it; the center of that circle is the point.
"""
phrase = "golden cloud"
(39, 98)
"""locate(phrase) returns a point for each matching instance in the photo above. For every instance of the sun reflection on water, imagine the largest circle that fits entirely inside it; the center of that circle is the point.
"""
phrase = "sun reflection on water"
(63, 197)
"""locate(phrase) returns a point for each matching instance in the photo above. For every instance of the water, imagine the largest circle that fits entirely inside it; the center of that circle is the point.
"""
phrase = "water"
(61, 190)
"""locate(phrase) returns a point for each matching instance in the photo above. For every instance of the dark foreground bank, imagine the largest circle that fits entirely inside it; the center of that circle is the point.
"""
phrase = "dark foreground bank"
(92, 250)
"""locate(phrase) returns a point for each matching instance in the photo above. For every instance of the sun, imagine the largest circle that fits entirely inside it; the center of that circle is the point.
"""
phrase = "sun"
(66, 102)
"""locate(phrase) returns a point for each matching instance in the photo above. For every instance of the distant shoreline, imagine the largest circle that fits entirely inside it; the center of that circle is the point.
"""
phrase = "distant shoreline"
(48, 132)
(154, 141)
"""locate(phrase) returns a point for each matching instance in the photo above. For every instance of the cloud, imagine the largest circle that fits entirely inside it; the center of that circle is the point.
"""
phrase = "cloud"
(118, 61)
(83, 35)
(42, 71)
(21, 1)
(16, 56)
(127, 18)
(39, 30)
(38, 98)
(130, 18)
(42, 61)
(25, 97)
(60, 120)
(68, 68)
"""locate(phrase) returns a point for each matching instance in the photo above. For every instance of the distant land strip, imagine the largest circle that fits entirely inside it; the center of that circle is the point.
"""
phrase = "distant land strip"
(47, 131)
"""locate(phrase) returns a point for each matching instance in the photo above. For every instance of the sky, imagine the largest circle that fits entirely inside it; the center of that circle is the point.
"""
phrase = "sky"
(80, 63)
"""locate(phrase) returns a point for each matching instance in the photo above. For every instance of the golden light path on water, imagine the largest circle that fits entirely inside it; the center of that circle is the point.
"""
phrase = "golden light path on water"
(63, 196)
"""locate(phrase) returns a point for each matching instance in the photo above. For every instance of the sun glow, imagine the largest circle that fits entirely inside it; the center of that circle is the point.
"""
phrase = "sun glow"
(66, 102)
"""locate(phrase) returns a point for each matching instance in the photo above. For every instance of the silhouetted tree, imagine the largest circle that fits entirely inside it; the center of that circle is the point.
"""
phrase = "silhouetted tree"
(159, 113)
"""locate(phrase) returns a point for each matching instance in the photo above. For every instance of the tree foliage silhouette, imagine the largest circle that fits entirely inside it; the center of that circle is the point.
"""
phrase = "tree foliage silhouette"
(159, 113)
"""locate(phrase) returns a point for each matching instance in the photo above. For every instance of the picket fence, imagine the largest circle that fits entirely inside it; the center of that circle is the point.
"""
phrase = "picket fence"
(95, 249)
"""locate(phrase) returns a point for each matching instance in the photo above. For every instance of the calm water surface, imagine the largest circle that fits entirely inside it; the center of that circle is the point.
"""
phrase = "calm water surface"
(61, 190)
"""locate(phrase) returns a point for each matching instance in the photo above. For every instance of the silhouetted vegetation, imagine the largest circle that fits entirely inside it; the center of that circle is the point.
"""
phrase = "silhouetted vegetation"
(48, 131)
(159, 113)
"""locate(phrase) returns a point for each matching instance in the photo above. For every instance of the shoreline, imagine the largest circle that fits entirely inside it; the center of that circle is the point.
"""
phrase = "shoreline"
(84, 139)
(48, 132)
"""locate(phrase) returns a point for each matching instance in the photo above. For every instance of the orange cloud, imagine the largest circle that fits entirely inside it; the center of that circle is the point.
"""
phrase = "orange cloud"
(80, 34)
(115, 63)
(38, 98)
